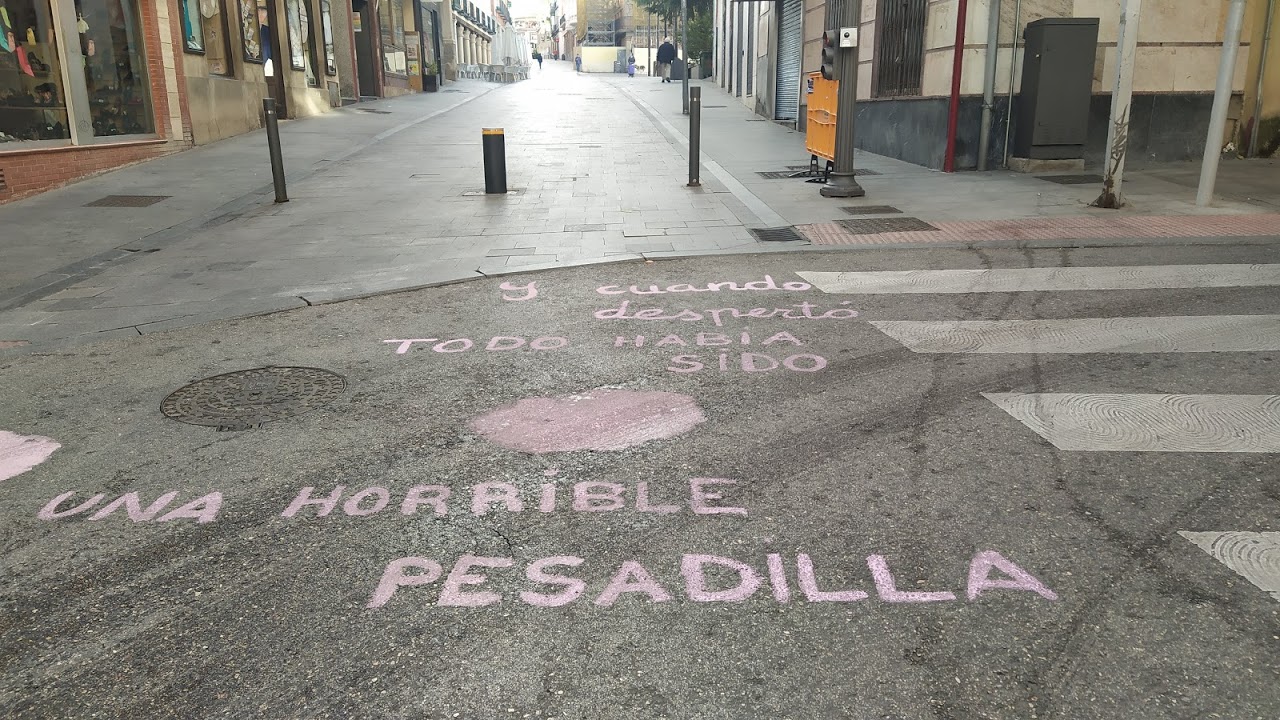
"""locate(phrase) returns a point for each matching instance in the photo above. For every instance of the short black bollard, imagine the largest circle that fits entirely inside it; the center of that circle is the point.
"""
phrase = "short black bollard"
(273, 147)
(695, 132)
(494, 143)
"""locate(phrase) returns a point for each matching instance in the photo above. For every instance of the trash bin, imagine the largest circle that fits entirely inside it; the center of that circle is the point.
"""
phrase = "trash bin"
(820, 130)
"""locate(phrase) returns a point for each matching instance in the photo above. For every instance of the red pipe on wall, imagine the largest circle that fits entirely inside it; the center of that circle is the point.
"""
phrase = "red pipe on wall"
(957, 65)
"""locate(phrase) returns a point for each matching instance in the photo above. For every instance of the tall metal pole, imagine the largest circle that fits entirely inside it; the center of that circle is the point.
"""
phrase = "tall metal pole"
(684, 53)
(989, 82)
(841, 184)
(1118, 129)
(648, 41)
(1221, 98)
(1262, 71)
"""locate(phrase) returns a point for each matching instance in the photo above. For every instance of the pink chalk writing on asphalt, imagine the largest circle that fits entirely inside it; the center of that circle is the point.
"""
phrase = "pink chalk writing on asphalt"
(705, 578)
(20, 453)
(700, 496)
(530, 291)
(805, 311)
(203, 509)
(766, 284)
(497, 343)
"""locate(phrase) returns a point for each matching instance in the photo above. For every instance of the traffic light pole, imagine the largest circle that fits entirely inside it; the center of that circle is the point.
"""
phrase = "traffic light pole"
(844, 15)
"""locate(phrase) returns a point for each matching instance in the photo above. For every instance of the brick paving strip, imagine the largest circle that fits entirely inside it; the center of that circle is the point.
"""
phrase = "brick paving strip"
(1059, 228)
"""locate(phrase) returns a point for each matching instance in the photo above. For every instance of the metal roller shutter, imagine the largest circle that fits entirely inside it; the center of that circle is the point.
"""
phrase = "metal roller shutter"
(787, 91)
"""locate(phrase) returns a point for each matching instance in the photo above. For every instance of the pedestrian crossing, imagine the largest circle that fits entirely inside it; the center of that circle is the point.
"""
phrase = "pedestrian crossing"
(1099, 422)
(1178, 334)
(1138, 277)
(1133, 422)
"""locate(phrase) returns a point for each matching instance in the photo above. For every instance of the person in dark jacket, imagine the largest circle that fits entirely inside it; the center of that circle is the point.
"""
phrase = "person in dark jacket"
(666, 56)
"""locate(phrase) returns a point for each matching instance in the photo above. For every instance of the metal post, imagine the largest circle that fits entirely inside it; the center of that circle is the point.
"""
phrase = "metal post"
(841, 183)
(989, 82)
(1118, 128)
(1262, 71)
(1221, 98)
(648, 41)
(273, 148)
(684, 53)
(494, 143)
(695, 134)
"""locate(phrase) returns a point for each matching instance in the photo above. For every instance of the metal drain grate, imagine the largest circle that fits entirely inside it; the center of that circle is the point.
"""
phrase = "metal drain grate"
(246, 399)
(129, 201)
(468, 92)
(1073, 179)
(871, 210)
(704, 107)
(588, 146)
(375, 112)
(782, 234)
(874, 226)
(778, 174)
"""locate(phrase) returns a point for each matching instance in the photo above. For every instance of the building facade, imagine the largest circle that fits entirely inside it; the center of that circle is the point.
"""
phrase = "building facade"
(235, 53)
(470, 31)
(765, 50)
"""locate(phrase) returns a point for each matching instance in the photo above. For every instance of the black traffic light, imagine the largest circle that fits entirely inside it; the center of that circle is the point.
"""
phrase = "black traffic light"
(830, 43)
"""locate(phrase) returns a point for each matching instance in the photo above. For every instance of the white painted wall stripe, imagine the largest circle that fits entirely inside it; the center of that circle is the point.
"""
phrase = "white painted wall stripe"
(1255, 556)
(1149, 423)
(1140, 277)
(1185, 334)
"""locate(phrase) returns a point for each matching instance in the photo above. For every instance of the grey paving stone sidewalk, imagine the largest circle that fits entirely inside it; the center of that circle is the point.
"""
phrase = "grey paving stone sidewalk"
(593, 180)
(729, 129)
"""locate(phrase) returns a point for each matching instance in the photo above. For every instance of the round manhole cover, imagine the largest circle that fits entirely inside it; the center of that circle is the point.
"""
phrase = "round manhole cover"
(247, 398)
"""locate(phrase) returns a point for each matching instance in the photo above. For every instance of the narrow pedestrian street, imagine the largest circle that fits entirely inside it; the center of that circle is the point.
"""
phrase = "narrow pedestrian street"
(608, 446)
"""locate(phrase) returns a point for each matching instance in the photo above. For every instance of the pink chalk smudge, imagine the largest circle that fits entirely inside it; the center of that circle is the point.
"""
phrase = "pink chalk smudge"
(603, 419)
(20, 453)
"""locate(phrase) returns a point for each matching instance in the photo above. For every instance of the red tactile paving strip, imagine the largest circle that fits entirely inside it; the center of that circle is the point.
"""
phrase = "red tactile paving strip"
(1058, 228)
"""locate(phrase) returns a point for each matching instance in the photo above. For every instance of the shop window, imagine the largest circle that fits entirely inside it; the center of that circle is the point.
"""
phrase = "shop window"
(302, 40)
(326, 23)
(115, 69)
(33, 100)
(252, 33)
(205, 31)
(391, 17)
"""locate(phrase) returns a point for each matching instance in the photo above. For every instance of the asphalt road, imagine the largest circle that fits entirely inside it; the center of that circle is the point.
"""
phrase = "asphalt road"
(785, 513)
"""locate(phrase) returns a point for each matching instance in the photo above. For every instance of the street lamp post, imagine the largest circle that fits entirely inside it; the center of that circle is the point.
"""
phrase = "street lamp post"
(684, 54)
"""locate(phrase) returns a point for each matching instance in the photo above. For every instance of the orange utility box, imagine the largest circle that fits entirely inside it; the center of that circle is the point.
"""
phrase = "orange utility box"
(820, 127)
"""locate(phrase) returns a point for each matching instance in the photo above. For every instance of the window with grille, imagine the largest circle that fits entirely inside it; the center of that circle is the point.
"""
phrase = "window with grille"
(900, 52)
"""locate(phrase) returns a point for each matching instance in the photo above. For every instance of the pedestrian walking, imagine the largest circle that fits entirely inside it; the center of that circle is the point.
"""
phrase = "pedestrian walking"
(538, 56)
(666, 56)
(631, 67)
(577, 63)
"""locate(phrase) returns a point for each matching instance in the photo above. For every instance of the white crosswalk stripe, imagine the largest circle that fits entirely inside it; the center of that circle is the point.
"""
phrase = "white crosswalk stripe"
(1190, 334)
(1143, 277)
(1148, 423)
(1255, 556)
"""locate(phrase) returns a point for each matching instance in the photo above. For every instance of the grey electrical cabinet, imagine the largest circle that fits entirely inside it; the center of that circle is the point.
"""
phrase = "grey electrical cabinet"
(1057, 85)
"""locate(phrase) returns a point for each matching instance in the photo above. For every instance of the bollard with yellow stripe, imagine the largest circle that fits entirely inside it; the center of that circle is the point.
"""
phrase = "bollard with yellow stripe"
(494, 143)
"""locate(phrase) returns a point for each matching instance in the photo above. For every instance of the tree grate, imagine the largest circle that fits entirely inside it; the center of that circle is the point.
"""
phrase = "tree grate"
(782, 234)
(875, 226)
(246, 399)
(871, 210)
(129, 201)
(1073, 179)
(779, 174)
